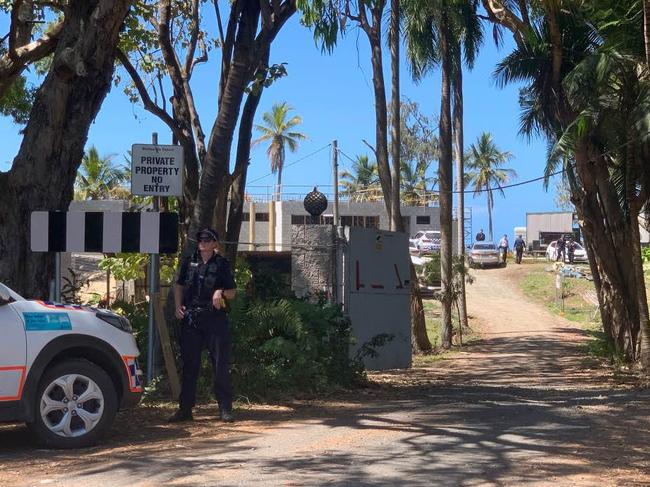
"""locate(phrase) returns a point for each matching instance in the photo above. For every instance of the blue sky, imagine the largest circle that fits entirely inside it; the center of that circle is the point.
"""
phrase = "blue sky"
(333, 94)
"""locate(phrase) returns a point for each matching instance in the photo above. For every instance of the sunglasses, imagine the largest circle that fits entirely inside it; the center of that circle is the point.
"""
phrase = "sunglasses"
(205, 240)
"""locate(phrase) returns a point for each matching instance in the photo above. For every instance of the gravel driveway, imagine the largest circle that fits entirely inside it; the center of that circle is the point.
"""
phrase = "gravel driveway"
(522, 406)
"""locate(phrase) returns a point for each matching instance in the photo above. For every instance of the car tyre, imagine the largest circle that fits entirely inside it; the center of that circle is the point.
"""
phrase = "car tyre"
(72, 377)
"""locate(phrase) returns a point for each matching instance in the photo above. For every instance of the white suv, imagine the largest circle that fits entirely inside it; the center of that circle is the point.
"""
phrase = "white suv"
(65, 369)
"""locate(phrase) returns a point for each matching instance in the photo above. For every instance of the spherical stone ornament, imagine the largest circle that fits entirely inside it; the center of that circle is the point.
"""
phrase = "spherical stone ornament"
(315, 202)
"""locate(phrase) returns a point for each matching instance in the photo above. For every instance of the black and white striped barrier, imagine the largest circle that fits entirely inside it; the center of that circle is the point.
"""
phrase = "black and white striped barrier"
(104, 231)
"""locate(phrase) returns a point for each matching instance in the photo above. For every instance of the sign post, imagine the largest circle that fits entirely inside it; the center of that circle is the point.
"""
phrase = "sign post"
(156, 170)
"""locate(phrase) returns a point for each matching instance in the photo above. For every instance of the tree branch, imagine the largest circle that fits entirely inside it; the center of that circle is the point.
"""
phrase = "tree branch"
(24, 55)
(195, 121)
(363, 18)
(227, 47)
(268, 33)
(265, 12)
(203, 58)
(219, 23)
(14, 27)
(194, 37)
(147, 102)
(498, 13)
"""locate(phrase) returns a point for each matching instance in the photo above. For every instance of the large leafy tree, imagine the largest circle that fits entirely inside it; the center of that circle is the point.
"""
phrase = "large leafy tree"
(171, 40)
(280, 131)
(486, 171)
(42, 175)
(584, 68)
(418, 152)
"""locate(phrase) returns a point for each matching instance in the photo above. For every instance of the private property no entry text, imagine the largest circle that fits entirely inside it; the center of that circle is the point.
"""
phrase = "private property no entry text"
(157, 170)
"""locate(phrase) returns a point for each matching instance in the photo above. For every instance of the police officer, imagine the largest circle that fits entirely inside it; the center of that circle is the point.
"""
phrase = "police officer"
(560, 248)
(204, 284)
(519, 247)
(571, 250)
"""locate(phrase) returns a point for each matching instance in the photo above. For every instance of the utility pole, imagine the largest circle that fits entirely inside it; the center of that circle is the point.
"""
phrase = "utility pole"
(335, 171)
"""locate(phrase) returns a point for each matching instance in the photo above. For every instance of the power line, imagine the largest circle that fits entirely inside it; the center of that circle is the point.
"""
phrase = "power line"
(468, 191)
(294, 162)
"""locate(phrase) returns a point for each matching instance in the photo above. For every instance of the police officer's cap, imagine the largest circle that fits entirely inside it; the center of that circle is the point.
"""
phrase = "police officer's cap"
(207, 233)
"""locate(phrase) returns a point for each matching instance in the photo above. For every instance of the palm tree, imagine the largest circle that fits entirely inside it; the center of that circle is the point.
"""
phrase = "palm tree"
(279, 131)
(361, 183)
(435, 32)
(486, 173)
(415, 183)
(98, 178)
(592, 113)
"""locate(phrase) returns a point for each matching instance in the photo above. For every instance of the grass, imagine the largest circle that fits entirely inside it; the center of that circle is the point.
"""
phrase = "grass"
(539, 285)
(432, 314)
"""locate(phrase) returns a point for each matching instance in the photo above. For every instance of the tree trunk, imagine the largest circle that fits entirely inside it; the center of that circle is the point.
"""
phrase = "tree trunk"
(395, 210)
(419, 338)
(381, 114)
(212, 202)
(644, 319)
(610, 241)
(43, 173)
(489, 208)
(445, 180)
(278, 186)
(460, 182)
(237, 195)
(646, 30)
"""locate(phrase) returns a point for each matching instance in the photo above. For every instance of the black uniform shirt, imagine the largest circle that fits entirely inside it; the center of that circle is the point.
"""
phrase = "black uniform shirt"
(198, 294)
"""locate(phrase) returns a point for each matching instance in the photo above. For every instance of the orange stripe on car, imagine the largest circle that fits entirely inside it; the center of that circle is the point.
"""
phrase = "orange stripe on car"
(22, 370)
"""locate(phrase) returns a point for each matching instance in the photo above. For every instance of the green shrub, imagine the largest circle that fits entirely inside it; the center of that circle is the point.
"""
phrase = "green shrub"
(290, 345)
(137, 314)
(431, 273)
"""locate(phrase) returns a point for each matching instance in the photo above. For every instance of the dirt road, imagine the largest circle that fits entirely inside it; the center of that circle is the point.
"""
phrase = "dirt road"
(520, 407)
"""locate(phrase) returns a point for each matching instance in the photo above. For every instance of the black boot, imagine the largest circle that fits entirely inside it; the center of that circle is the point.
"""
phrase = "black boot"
(180, 416)
(226, 416)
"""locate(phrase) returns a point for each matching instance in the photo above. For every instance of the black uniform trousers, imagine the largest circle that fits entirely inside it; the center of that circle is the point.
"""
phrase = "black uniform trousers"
(210, 331)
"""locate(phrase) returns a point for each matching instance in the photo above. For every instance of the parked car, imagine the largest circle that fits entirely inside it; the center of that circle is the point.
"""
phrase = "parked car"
(427, 241)
(580, 254)
(483, 254)
(413, 248)
(65, 369)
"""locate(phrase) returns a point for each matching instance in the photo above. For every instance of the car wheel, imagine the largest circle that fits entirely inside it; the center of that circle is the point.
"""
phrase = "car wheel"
(75, 405)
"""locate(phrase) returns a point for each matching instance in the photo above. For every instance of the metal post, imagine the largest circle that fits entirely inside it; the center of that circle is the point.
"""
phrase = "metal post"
(57, 277)
(153, 286)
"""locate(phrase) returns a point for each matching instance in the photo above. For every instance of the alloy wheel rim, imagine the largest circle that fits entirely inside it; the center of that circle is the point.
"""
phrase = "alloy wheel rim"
(72, 405)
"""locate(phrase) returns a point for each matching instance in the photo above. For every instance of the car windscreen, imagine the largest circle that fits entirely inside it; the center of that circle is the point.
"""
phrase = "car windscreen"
(484, 247)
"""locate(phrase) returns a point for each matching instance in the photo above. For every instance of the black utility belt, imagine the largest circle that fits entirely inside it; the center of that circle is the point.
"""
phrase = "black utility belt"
(203, 309)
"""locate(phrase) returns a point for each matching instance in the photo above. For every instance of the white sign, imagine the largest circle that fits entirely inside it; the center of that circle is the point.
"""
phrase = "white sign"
(156, 170)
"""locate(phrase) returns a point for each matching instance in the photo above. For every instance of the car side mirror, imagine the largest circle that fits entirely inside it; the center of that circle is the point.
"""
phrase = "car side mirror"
(5, 298)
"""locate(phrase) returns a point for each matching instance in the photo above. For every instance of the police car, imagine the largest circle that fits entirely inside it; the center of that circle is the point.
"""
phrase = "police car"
(65, 369)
